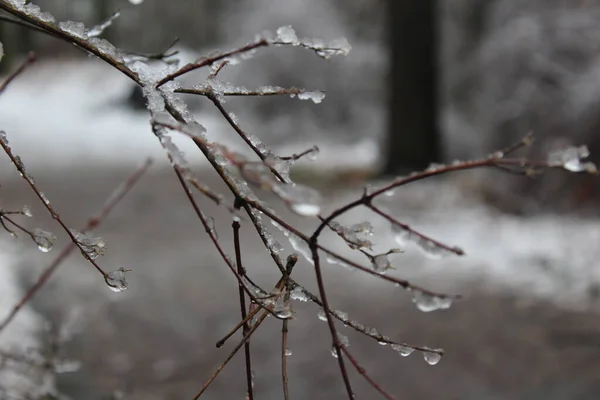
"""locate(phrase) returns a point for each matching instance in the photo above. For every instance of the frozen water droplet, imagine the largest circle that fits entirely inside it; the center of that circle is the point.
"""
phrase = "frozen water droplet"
(321, 315)
(286, 34)
(431, 358)
(427, 302)
(315, 96)
(344, 341)
(288, 352)
(334, 352)
(571, 159)
(381, 263)
(298, 294)
(44, 198)
(341, 314)
(26, 211)
(136, 2)
(433, 167)
(350, 235)
(301, 199)
(64, 366)
(297, 242)
(283, 309)
(93, 247)
(313, 154)
(404, 351)
(280, 165)
(45, 240)
(337, 261)
(258, 174)
(116, 280)
(98, 29)
(427, 246)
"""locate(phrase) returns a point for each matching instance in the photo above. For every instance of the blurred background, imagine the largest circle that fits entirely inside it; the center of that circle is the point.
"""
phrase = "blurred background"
(426, 82)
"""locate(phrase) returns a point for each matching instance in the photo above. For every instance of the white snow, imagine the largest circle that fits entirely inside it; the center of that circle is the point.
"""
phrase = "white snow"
(71, 113)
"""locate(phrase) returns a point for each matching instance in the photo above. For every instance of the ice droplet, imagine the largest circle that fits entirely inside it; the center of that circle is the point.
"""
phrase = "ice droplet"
(315, 96)
(427, 302)
(288, 352)
(116, 280)
(314, 153)
(64, 366)
(45, 240)
(350, 235)
(136, 2)
(283, 309)
(99, 29)
(298, 294)
(301, 199)
(334, 352)
(286, 34)
(431, 357)
(427, 246)
(26, 211)
(341, 314)
(321, 315)
(93, 247)
(571, 159)
(299, 245)
(404, 351)
(381, 263)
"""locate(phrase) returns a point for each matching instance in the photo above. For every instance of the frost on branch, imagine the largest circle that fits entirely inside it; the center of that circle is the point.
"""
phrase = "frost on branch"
(99, 29)
(351, 234)
(92, 246)
(572, 158)
(336, 47)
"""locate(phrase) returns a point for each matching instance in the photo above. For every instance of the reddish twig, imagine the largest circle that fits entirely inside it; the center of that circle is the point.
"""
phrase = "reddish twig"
(362, 371)
(28, 61)
(211, 60)
(246, 326)
(456, 250)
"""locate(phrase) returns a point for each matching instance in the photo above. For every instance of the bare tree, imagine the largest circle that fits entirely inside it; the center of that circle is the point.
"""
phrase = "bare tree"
(242, 175)
(413, 137)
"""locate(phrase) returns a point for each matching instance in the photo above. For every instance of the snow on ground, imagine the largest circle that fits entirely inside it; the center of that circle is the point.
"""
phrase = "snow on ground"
(71, 113)
(555, 258)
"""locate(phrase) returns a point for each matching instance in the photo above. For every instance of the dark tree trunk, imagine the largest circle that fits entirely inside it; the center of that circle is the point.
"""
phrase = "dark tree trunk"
(413, 135)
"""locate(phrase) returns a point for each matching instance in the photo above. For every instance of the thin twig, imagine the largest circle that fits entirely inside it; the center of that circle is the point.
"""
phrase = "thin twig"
(230, 356)
(284, 350)
(456, 250)
(28, 61)
(211, 60)
(246, 326)
(330, 323)
(251, 93)
(368, 378)
(239, 325)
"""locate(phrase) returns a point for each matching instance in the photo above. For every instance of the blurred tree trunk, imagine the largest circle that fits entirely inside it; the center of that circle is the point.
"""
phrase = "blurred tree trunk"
(413, 134)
